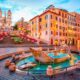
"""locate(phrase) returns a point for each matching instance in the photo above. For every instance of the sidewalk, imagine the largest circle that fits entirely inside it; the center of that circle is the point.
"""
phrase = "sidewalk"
(11, 50)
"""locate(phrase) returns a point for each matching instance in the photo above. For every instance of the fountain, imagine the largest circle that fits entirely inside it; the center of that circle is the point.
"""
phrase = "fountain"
(58, 58)
(44, 57)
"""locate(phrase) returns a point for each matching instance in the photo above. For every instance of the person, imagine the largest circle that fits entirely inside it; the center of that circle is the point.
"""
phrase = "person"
(22, 55)
(7, 63)
(12, 67)
(49, 71)
(14, 58)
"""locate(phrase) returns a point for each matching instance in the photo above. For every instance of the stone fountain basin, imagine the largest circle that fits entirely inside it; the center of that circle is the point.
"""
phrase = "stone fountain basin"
(61, 57)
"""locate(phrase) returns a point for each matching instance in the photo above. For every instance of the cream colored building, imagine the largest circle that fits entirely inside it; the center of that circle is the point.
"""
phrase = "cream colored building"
(5, 21)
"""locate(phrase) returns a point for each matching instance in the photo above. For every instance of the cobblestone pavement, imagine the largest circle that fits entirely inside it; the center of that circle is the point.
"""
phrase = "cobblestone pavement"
(9, 47)
(7, 50)
(6, 75)
(11, 50)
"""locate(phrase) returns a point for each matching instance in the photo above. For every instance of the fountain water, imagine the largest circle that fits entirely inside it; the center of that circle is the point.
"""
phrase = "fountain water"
(58, 58)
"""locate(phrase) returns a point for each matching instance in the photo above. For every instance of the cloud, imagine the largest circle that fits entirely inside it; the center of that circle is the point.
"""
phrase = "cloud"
(30, 8)
(26, 13)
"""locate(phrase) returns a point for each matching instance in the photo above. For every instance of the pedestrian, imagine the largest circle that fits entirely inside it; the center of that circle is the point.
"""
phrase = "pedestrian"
(49, 71)
(14, 58)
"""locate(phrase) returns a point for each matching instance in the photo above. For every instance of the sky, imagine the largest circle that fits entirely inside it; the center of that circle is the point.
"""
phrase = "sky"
(30, 8)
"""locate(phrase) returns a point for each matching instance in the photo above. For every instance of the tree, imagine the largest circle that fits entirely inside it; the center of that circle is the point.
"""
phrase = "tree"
(15, 27)
(28, 31)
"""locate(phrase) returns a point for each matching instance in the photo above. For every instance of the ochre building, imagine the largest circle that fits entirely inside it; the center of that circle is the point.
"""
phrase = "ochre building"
(56, 25)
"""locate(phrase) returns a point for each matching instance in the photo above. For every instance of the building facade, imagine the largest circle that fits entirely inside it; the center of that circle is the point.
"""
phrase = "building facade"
(56, 24)
(5, 21)
(23, 25)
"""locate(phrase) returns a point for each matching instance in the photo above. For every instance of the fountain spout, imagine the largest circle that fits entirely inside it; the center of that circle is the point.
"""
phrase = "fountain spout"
(55, 51)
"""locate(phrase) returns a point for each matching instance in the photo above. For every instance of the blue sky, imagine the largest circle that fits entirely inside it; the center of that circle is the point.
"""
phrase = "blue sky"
(31, 8)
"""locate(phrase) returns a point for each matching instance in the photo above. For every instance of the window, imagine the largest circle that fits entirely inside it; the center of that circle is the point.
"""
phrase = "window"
(63, 28)
(74, 24)
(40, 20)
(59, 27)
(35, 34)
(51, 16)
(46, 25)
(56, 26)
(56, 18)
(51, 24)
(66, 34)
(63, 20)
(46, 32)
(56, 33)
(60, 33)
(62, 15)
(59, 13)
(65, 15)
(78, 24)
(59, 19)
(51, 32)
(46, 17)
(32, 22)
(40, 27)
(63, 34)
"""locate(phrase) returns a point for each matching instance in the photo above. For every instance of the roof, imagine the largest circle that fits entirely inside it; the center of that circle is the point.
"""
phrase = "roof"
(47, 10)
(44, 13)
(34, 17)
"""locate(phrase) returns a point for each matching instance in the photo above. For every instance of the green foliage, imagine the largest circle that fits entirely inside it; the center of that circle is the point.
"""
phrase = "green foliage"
(15, 27)
(17, 39)
(27, 31)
